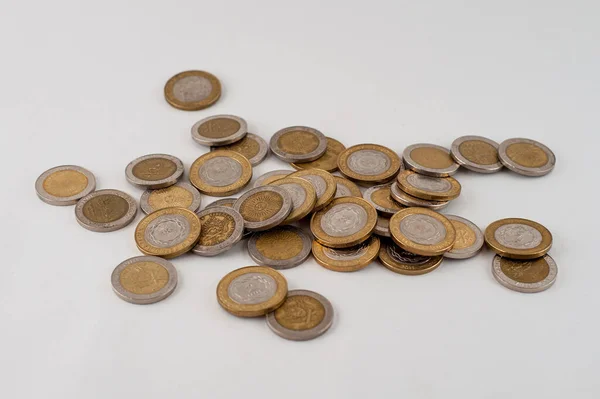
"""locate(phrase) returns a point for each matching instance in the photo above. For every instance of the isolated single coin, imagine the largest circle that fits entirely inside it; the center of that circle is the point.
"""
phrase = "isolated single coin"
(327, 161)
(219, 130)
(476, 153)
(369, 163)
(271, 176)
(380, 197)
(382, 228)
(298, 144)
(282, 247)
(345, 188)
(144, 279)
(323, 183)
(517, 238)
(422, 231)
(251, 146)
(429, 159)
(303, 195)
(180, 195)
(264, 207)
(528, 276)
(348, 259)
(469, 238)
(400, 261)
(105, 210)
(410, 201)
(154, 171)
(526, 157)
(64, 185)
(192, 90)
(221, 173)
(222, 228)
(222, 202)
(427, 187)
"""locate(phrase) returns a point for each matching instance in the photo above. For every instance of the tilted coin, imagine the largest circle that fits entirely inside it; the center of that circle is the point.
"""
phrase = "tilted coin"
(105, 210)
(345, 188)
(528, 276)
(298, 144)
(181, 195)
(323, 183)
(427, 187)
(64, 185)
(403, 262)
(469, 238)
(219, 130)
(252, 291)
(348, 259)
(422, 231)
(192, 90)
(144, 279)
(518, 238)
(429, 159)
(327, 161)
(408, 200)
(222, 228)
(382, 228)
(264, 207)
(282, 247)
(526, 157)
(271, 176)
(303, 316)
(476, 153)
(168, 232)
(221, 173)
(369, 163)
(303, 195)
(222, 202)
(154, 171)
(251, 146)
(380, 197)
(345, 222)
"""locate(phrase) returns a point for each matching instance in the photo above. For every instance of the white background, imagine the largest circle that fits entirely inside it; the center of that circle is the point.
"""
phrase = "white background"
(82, 83)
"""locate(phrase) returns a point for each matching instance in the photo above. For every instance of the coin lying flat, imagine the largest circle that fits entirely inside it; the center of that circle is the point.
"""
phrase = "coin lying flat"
(476, 153)
(271, 176)
(303, 195)
(168, 232)
(345, 222)
(429, 159)
(180, 195)
(518, 238)
(369, 163)
(427, 187)
(529, 276)
(105, 210)
(348, 259)
(192, 90)
(380, 197)
(221, 173)
(303, 316)
(251, 146)
(264, 207)
(283, 247)
(154, 171)
(400, 261)
(422, 231)
(469, 239)
(222, 202)
(64, 185)
(382, 228)
(345, 188)
(526, 157)
(222, 228)
(298, 144)
(219, 130)
(327, 162)
(144, 279)
(323, 183)
(408, 200)
(252, 291)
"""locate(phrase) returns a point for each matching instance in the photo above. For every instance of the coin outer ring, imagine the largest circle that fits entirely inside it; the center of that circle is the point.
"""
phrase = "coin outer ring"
(253, 310)
(223, 191)
(465, 163)
(309, 202)
(260, 181)
(330, 186)
(194, 206)
(263, 149)
(291, 158)
(474, 249)
(353, 188)
(421, 249)
(391, 264)
(348, 241)
(530, 288)
(523, 170)
(63, 201)
(513, 253)
(408, 188)
(410, 201)
(212, 250)
(222, 202)
(346, 265)
(388, 212)
(144, 299)
(276, 219)
(310, 165)
(215, 142)
(304, 335)
(434, 172)
(212, 98)
(375, 179)
(284, 263)
(154, 184)
(109, 226)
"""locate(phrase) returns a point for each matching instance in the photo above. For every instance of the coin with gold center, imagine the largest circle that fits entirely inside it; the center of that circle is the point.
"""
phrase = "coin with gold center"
(220, 173)
(192, 90)
(64, 185)
(369, 163)
(298, 144)
(251, 146)
(400, 261)
(527, 276)
(517, 238)
(526, 157)
(323, 183)
(282, 247)
(345, 188)
(264, 207)
(408, 200)
(154, 171)
(105, 210)
(422, 231)
(303, 195)
(219, 130)
(180, 195)
(429, 159)
(348, 259)
(469, 238)
(380, 197)
(327, 162)
(144, 279)
(476, 153)
(222, 228)
(427, 187)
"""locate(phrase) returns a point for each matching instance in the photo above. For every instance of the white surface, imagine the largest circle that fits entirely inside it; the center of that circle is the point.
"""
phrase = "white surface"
(82, 83)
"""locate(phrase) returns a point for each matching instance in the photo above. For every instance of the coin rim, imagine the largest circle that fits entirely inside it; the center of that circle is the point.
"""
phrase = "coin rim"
(391, 264)
(310, 199)
(348, 265)
(409, 201)
(350, 185)
(357, 177)
(219, 202)
(460, 159)
(307, 157)
(530, 288)
(264, 176)
(524, 170)
(452, 193)
(212, 98)
(194, 206)
(330, 186)
(422, 249)
(471, 250)
(215, 142)
(64, 201)
(521, 254)
(382, 210)
(263, 148)
(434, 172)
(144, 299)
(275, 220)
(282, 264)
(222, 191)
(154, 184)
(303, 165)
(108, 226)
(380, 230)
(234, 238)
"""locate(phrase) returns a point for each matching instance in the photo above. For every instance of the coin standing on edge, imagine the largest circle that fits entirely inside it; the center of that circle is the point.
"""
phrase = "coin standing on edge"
(345, 188)
(219, 130)
(349, 259)
(180, 195)
(429, 159)
(323, 183)
(422, 231)
(528, 276)
(400, 261)
(427, 187)
(380, 197)
(154, 171)
(105, 210)
(303, 195)
(476, 153)
(298, 144)
(518, 238)
(382, 228)
(283, 247)
(410, 201)
(222, 228)
(264, 207)
(64, 185)
(192, 90)
(469, 238)
(222, 202)
(327, 162)
(526, 157)
(369, 163)
(271, 176)
(251, 146)
(143, 280)
(221, 173)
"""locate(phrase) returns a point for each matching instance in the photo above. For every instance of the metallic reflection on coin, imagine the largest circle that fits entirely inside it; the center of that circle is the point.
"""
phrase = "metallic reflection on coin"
(327, 162)
(380, 197)
(422, 231)
(105, 210)
(469, 238)
(323, 183)
(427, 187)
(222, 228)
(303, 195)
(369, 163)
(251, 146)
(298, 144)
(526, 157)
(282, 247)
(220, 173)
(348, 259)
(476, 153)
(517, 238)
(528, 276)
(346, 188)
(219, 130)
(429, 159)
(181, 195)
(264, 207)
(64, 185)
(192, 90)
(403, 262)
(144, 279)
(410, 201)
(271, 176)
(154, 171)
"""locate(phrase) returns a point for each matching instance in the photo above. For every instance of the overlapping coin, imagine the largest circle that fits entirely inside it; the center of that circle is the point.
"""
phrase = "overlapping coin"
(65, 185)
(105, 210)
(327, 161)
(400, 261)
(221, 173)
(251, 146)
(345, 188)
(408, 200)
(469, 238)
(323, 183)
(517, 238)
(369, 164)
(303, 195)
(298, 144)
(192, 90)
(222, 228)
(154, 171)
(264, 207)
(528, 276)
(348, 259)
(422, 231)
(380, 197)
(476, 153)
(526, 157)
(181, 195)
(427, 187)
(429, 159)
(219, 130)
(282, 247)
(271, 176)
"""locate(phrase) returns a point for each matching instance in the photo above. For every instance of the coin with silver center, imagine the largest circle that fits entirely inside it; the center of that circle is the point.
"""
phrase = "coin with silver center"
(282, 247)
(380, 197)
(220, 173)
(271, 176)
(144, 279)
(476, 153)
(469, 238)
(219, 130)
(105, 210)
(345, 188)
(192, 90)
(251, 146)
(154, 171)
(369, 164)
(264, 207)
(410, 201)
(528, 276)
(298, 144)
(222, 228)
(64, 185)
(526, 157)
(429, 159)
(181, 195)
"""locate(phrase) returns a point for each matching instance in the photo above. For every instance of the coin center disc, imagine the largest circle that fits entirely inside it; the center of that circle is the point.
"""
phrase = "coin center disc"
(65, 183)
(261, 206)
(246, 146)
(527, 155)
(465, 237)
(298, 142)
(518, 236)
(154, 169)
(432, 184)
(296, 192)
(169, 197)
(105, 208)
(479, 152)
(369, 162)
(342, 191)
(220, 171)
(346, 254)
(423, 229)
(167, 231)
(252, 288)
(217, 227)
(318, 183)
(405, 257)
(218, 128)
(191, 89)
(528, 272)
(383, 198)
(343, 220)
(431, 157)
(300, 312)
(144, 278)
(279, 244)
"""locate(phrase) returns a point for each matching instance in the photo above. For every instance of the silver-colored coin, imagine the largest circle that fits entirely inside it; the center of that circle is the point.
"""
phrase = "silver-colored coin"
(252, 288)
(167, 231)
(526, 157)
(383, 205)
(250, 141)
(271, 176)
(298, 144)
(148, 279)
(476, 153)
(527, 271)
(154, 171)
(434, 154)
(222, 228)
(301, 318)
(369, 162)
(382, 228)
(272, 248)
(423, 229)
(222, 202)
(219, 130)
(264, 207)
(105, 210)
(343, 220)
(469, 239)
(518, 236)
(428, 183)
(64, 185)
(182, 195)
(220, 171)
(408, 200)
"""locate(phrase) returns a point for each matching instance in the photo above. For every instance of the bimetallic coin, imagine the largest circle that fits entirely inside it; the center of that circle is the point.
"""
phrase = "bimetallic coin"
(283, 247)
(219, 130)
(400, 261)
(528, 276)
(64, 185)
(264, 207)
(298, 144)
(380, 197)
(518, 238)
(303, 195)
(252, 291)
(382, 228)
(408, 200)
(429, 159)
(271, 176)
(222, 228)
(427, 187)
(181, 195)
(526, 157)
(303, 316)
(369, 163)
(222, 202)
(154, 171)
(144, 279)
(323, 183)
(168, 232)
(105, 210)
(348, 259)
(327, 162)
(469, 239)
(192, 90)
(221, 173)
(476, 153)
(345, 188)
(422, 231)
(251, 146)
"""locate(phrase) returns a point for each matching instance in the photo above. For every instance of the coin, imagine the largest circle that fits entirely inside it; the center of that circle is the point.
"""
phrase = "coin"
(105, 210)
(222, 202)
(298, 144)
(283, 247)
(154, 171)
(345, 222)
(369, 163)
(303, 195)
(348, 259)
(181, 195)
(429, 159)
(518, 238)
(192, 90)
(422, 231)
(382, 228)
(220, 173)
(303, 316)
(345, 188)
(222, 228)
(271, 176)
(323, 183)
(380, 197)
(144, 279)
(168, 232)
(408, 200)
(264, 207)
(469, 238)
(476, 153)
(529, 276)
(219, 130)
(252, 291)
(328, 161)
(427, 187)
(400, 261)
(64, 185)
(251, 146)
(526, 157)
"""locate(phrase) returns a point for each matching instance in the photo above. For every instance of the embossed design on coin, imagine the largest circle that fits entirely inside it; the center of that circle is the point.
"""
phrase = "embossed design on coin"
(300, 312)
(342, 191)
(181, 195)
(345, 188)
(220, 171)
(296, 192)
(345, 254)
(251, 146)
(427, 187)
(526, 271)
(465, 237)
(302, 194)
(154, 169)
(529, 276)
(167, 231)
(405, 257)
(105, 210)
(369, 162)
(479, 152)
(216, 228)
(400, 261)
(298, 144)
(219, 130)
(280, 244)
(518, 236)
(344, 220)
(328, 161)
(429, 183)
(526, 154)
(65, 183)
(261, 206)
(252, 288)
(526, 157)
(423, 229)
(408, 200)
(144, 278)
(192, 89)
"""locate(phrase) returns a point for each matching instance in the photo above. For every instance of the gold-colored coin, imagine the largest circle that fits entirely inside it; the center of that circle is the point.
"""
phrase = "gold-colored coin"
(192, 90)
(303, 195)
(380, 197)
(252, 291)
(528, 276)
(345, 188)
(251, 146)
(346, 259)
(328, 161)
(430, 160)
(369, 163)
(400, 261)
(422, 231)
(427, 187)
(518, 238)
(221, 173)
(323, 182)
